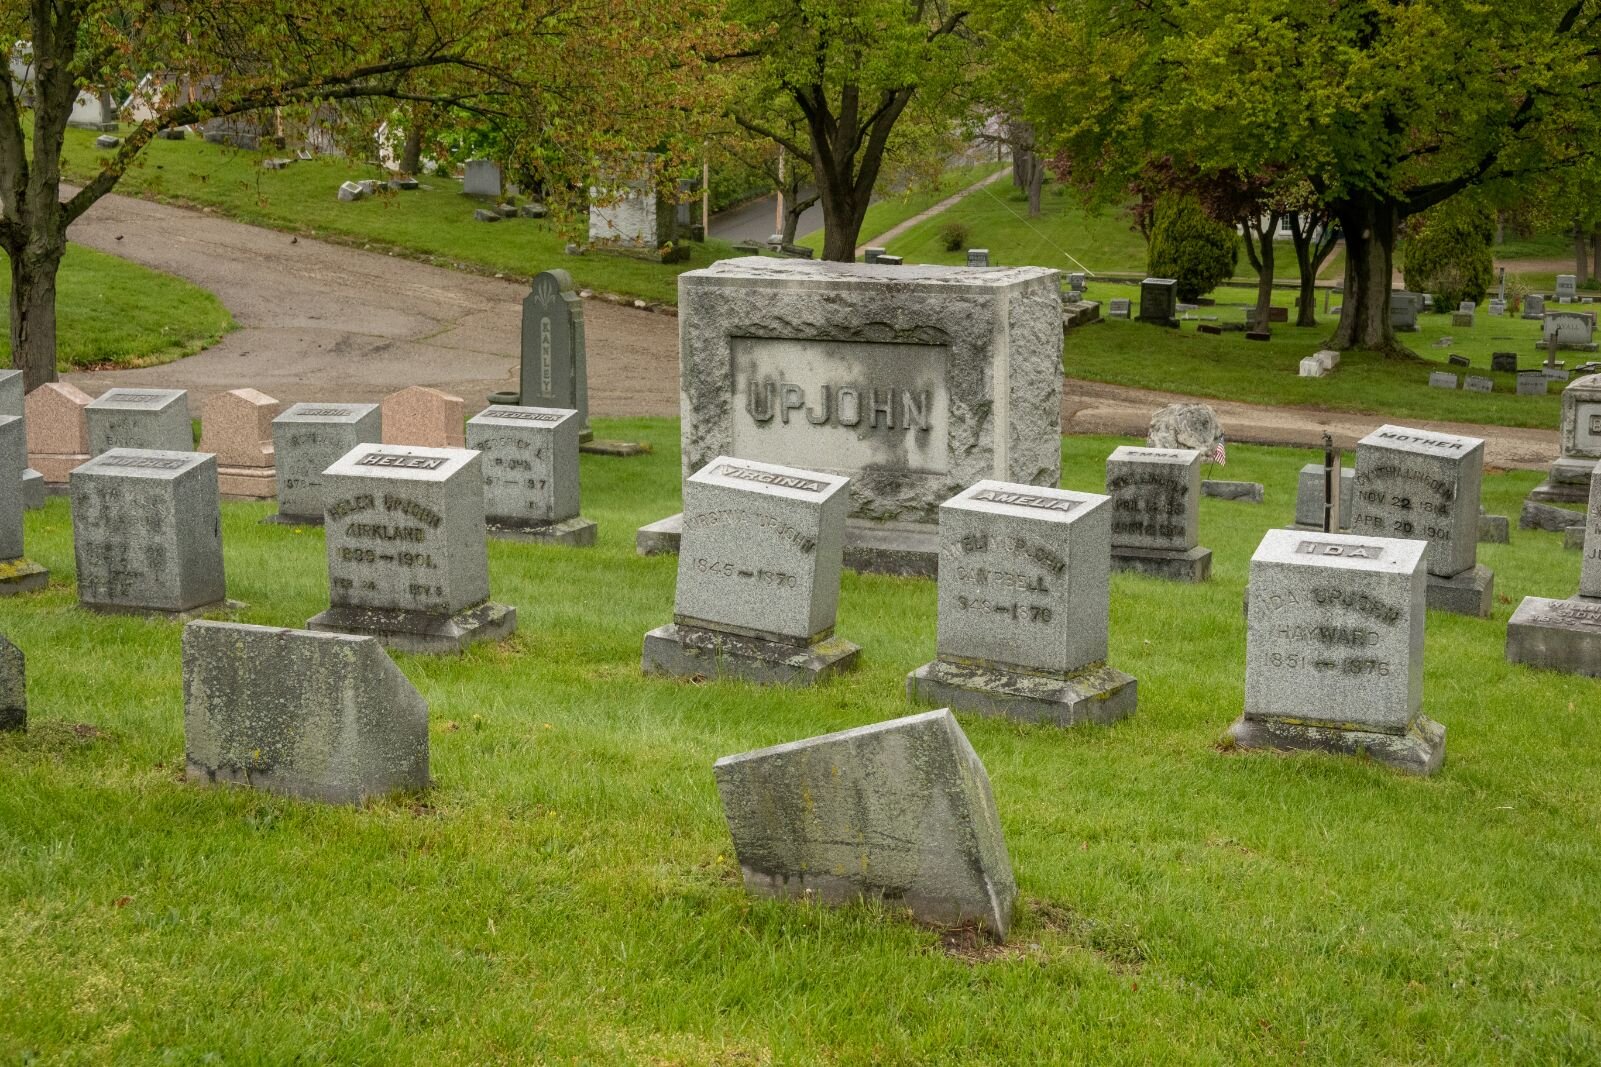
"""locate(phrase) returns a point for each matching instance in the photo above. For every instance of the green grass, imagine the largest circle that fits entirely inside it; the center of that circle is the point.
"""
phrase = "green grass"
(434, 223)
(894, 209)
(1230, 367)
(567, 892)
(112, 313)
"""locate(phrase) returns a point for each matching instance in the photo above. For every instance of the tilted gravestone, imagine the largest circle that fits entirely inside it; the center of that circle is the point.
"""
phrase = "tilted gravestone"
(529, 458)
(13, 686)
(408, 562)
(1568, 478)
(1156, 513)
(758, 577)
(58, 435)
(1023, 606)
(422, 415)
(236, 427)
(913, 383)
(1565, 635)
(900, 811)
(553, 372)
(1159, 299)
(14, 403)
(147, 532)
(306, 440)
(1424, 485)
(18, 574)
(1309, 497)
(322, 716)
(155, 419)
(1334, 649)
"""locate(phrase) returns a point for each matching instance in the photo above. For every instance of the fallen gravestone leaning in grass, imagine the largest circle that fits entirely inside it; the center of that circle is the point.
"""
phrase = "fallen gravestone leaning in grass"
(408, 557)
(147, 532)
(322, 716)
(899, 811)
(1023, 608)
(758, 577)
(1334, 649)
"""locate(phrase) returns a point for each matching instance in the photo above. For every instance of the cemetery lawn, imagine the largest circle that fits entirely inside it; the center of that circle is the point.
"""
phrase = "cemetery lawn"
(1229, 367)
(891, 210)
(567, 891)
(111, 313)
(433, 224)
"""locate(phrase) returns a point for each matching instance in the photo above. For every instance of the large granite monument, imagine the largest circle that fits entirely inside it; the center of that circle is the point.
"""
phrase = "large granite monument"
(147, 532)
(1423, 485)
(1565, 635)
(408, 560)
(322, 716)
(899, 811)
(913, 381)
(307, 439)
(758, 577)
(529, 458)
(1568, 479)
(1334, 649)
(552, 373)
(1156, 513)
(1023, 606)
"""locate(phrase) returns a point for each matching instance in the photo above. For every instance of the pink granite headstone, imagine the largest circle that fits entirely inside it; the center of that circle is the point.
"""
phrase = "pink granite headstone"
(424, 416)
(58, 435)
(237, 426)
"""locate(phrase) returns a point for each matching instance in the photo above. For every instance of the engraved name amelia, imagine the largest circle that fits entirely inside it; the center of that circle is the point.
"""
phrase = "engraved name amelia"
(1022, 500)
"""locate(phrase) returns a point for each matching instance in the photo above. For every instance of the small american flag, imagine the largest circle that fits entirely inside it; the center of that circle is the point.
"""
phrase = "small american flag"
(1220, 454)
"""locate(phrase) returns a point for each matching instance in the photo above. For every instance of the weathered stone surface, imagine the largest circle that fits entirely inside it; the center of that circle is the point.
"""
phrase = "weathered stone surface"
(1192, 565)
(307, 439)
(1504, 362)
(1547, 517)
(1477, 383)
(1186, 426)
(1558, 635)
(1309, 496)
(1424, 485)
(1472, 592)
(408, 560)
(323, 716)
(758, 575)
(1023, 604)
(1118, 307)
(58, 437)
(1494, 529)
(529, 458)
(481, 177)
(1581, 418)
(1156, 497)
(147, 532)
(1532, 383)
(1419, 750)
(421, 415)
(352, 191)
(553, 372)
(1159, 299)
(17, 574)
(1244, 492)
(900, 811)
(914, 382)
(625, 212)
(1590, 570)
(152, 419)
(13, 686)
(1442, 380)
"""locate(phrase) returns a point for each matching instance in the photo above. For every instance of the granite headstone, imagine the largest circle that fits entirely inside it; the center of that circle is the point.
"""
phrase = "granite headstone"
(307, 439)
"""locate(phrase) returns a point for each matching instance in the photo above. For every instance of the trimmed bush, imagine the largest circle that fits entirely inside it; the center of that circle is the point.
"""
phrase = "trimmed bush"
(953, 236)
(1447, 252)
(1190, 247)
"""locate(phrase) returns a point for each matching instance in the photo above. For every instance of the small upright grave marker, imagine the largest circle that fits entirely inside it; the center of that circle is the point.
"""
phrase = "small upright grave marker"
(1156, 513)
(424, 416)
(58, 435)
(758, 577)
(530, 462)
(236, 427)
(1023, 599)
(147, 532)
(408, 562)
(152, 419)
(1159, 299)
(1568, 477)
(1334, 649)
(1565, 635)
(307, 439)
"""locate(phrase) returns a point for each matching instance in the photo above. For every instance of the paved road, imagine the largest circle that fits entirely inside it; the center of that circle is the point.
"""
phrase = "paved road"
(754, 221)
(322, 321)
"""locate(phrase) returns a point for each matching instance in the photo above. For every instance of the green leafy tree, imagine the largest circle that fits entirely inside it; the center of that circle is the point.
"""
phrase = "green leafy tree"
(1384, 109)
(1447, 252)
(1190, 247)
(572, 79)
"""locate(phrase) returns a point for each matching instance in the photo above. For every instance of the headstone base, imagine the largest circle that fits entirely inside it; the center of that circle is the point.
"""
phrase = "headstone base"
(620, 449)
(692, 652)
(22, 576)
(416, 631)
(1494, 530)
(1248, 492)
(1567, 346)
(185, 615)
(55, 466)
(1097, 694)
(278, 518)
(1171, 564)
(907, 549)
(1538, 516)
(1420, 750)
(1556, 635)
(577, 532)
(1549, 492)
(247, 483)
(33, 489)
(1468, 593)
(1573, 538)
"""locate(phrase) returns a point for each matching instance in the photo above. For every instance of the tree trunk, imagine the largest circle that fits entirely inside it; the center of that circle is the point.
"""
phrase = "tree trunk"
(1369, 227)
(1581, 249)
(1306, 310)
(33, 310)
(1263, 261)
(842, 217)
(1036, 184)
(1595, 254)
(411, 151)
